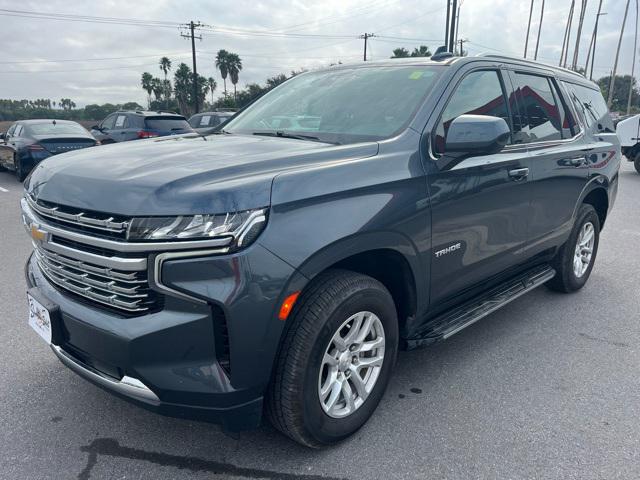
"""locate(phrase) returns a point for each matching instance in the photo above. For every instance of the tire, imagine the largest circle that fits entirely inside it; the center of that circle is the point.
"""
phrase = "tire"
(294, 403)
(20, 173)
(636, 163)
(567, 277)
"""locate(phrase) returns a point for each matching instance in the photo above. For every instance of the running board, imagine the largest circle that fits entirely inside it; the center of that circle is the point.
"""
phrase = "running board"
(451, 322)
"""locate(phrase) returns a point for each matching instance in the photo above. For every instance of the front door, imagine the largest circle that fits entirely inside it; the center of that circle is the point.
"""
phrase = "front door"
(480, 206)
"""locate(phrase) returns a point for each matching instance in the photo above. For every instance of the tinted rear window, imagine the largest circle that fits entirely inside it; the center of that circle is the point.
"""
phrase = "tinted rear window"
(591, 107)
(167, 123)
(56, 129)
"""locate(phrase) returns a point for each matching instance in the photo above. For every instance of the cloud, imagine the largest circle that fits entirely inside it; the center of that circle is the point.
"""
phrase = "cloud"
(488, 25)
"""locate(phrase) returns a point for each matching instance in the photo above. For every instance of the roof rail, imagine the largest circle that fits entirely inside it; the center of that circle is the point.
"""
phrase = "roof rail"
(513, 57)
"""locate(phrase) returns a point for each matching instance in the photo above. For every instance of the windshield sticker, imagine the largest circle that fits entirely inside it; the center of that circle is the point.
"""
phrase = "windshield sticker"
(415, 75)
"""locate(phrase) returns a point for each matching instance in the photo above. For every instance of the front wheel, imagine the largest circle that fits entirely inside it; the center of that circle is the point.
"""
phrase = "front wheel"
(336, 359)
(636, 163)
(574, 261)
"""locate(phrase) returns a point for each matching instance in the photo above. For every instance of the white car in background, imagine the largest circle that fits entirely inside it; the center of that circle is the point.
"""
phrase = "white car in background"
(628, 131)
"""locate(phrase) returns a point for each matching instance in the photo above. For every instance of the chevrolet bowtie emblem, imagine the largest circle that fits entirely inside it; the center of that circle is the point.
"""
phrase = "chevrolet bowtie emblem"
(37, 234)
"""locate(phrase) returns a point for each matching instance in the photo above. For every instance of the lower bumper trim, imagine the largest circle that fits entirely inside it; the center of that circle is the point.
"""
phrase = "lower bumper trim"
(127, 386)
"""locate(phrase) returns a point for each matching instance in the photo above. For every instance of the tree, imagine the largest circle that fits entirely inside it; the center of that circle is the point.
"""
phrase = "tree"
(400, 53)
(273, 82)
(146, 82)
(212, 85)
(620, 91)
(157, 88)
(165, 67)
(234, 67)
(222, 64)
(423, 51)
(182, 86)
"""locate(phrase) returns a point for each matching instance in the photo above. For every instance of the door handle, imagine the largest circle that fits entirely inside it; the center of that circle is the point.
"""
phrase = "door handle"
(578, 161)
(519, 173)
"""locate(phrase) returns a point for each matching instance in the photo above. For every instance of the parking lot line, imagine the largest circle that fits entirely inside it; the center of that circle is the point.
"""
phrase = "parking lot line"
(3, 190)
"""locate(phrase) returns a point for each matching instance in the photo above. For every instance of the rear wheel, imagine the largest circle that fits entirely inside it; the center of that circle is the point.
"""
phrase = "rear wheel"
(21, 174)
(636, 163)
(336, 359)
(574, 261)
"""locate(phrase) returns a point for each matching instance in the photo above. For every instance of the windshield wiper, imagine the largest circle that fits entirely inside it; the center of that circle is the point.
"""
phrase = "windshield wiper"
(297, 136)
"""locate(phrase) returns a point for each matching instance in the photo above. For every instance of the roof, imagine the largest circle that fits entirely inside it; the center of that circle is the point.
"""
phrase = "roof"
(563, 73)
(149, 113)
(45, 120)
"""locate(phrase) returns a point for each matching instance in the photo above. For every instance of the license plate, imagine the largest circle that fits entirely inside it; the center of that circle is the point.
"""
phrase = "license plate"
(39, 319)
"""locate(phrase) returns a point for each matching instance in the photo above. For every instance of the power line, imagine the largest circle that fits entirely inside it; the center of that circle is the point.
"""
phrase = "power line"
(93, 59)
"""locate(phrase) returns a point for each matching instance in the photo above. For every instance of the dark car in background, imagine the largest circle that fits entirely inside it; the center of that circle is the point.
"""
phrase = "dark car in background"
(134, 125)
(208, 122)
(28, 142)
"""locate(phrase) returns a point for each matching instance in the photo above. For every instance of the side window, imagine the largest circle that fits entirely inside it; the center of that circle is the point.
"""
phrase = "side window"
(12, 129)
(108, 122)
(18, 131)
(120, 119)
(479, 93)
(591, 107)
(538, 105)
(569, 124)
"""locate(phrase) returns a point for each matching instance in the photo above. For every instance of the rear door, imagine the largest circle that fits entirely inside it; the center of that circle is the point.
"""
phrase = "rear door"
(558, 168)
(479, 207)
(104, 133)
(119, 131)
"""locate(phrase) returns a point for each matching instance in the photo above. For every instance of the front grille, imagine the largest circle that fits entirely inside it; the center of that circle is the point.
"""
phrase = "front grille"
(110, 226)
(125, 291)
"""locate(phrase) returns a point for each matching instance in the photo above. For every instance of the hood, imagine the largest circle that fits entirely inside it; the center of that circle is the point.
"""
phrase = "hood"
(179, 175)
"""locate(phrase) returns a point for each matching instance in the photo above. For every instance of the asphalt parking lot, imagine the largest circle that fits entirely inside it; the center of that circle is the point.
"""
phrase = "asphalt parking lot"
(547, 387)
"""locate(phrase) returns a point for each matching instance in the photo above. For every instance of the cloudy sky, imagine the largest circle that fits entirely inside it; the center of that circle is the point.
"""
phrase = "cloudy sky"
(97, 62)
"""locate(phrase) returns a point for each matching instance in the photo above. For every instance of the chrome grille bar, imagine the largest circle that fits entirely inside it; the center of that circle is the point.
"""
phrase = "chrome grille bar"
(108, 224)
(127, 291)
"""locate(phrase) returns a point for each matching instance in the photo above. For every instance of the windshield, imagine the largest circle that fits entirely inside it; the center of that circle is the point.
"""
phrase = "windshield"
(57, 129)
(341, 106)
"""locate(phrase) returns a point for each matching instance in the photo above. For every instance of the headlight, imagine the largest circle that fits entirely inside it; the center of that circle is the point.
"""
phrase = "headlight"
(240, 228)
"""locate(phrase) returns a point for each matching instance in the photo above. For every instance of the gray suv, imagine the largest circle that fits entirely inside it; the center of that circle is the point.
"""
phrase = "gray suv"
(280, 269)
(135, 125)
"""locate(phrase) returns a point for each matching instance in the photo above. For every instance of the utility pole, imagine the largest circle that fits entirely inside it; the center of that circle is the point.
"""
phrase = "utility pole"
(526, 41)
(633, 65)
(615, 63)
(567, 35)
(576, 50)
(366, 36)
(446, 27)
(535, 55)
(591, 53)
(192, 26)
(460, 53)
(451, 45)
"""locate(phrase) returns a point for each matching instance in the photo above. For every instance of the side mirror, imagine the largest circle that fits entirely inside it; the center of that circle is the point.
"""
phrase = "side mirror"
(96, 127)
(473, 135)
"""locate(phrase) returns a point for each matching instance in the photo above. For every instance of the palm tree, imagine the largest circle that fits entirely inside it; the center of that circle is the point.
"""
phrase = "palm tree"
(212, 85)
(234, 67)
(423, 51)
(222, 64)
(146, 81)
(182, 84)
(157, 87)
(165, 67)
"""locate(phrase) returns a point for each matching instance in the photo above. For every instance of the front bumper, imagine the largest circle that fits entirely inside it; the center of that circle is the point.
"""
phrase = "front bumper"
(169, 361)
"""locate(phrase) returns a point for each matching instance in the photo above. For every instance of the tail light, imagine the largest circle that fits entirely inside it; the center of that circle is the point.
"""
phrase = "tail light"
(146, 134)
(35, 148)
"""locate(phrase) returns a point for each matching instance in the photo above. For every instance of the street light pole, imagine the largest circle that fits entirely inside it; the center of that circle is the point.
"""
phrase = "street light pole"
(633, 65)
(526, 41)
(615, 63)
(535, 55)
(591, 53)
